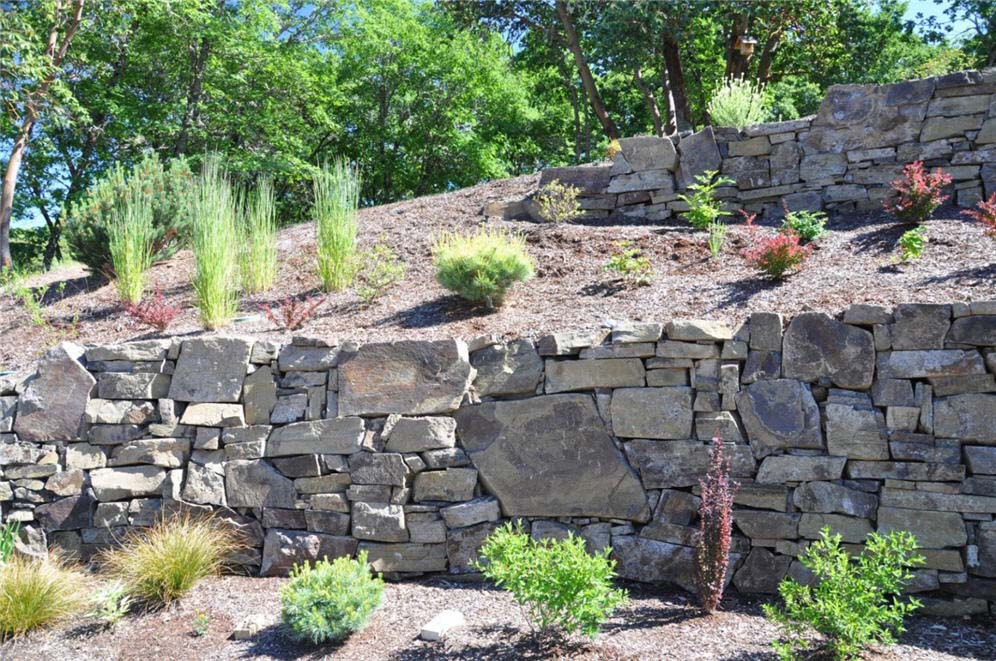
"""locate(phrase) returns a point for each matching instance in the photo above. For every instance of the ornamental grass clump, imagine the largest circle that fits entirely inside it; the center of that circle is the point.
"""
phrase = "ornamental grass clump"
(162, 563)
(130, 239)
(259, 239)
(216, 245)
(38, 592)
(918, 193)
(712, 543)
(483, 266)
(855, 600)
(557, 582)
(737, 103)
(328, 601)
(336, 189)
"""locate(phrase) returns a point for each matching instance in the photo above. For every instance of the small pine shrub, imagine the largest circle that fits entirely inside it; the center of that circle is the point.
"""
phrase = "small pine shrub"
(704, 208)
(154, 312)
(162, 563)
(809, 225)
(381, 269)
(556, 581)
(483, 266)
(337, 197)
(328, 601)
(855, 601)
(712, 543)
(717, 237)
(557, 202)
(918, 193)
(259, 239)
(630, 265)
(985, 214)
(912, 244)
(292, 313)
(737, 103)
(216, 245)
(36, 593)
(775, 255)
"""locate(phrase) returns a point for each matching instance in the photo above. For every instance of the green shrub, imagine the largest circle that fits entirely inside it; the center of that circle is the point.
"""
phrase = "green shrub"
(214, 210)
(809, 225)
(259, 239)
(337, 196)
(381, 269)
(168, 189)
(629, 264)
(557, 202)
(703, 207)
(483, 266)
(35, 593)
(855, 601)
(162, 563)
(912, 243)
(737, 103)
(556, 581)
(27, 247)
(130, 237)
(328, 601)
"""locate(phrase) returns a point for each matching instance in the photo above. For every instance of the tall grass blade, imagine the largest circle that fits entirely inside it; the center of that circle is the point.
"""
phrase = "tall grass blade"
(337, 196)
(215, 242)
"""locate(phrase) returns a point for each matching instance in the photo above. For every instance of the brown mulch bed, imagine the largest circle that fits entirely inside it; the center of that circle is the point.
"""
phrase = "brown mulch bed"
(854, 263)
(655, 625)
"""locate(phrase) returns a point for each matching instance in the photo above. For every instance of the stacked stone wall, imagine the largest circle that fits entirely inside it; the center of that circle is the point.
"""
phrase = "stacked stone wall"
(414, 451)
(843, 158)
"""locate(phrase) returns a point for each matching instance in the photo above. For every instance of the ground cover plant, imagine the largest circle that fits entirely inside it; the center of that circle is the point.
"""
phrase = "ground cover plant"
(557, 202)
(854, 602)
(559, 584)
(327, 601)
(38, 592)
(712, 543)
(214, 212)
(918, 193)
(336, 190)
(703, 207)
(482, 267)
(627, 262)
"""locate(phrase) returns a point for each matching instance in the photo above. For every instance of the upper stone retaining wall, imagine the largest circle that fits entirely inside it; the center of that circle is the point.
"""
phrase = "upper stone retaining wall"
(414, 450)
(842, 158)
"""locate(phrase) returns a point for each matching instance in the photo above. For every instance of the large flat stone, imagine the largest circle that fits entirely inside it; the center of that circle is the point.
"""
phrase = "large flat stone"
(405, 558)
(977, 330)
(647, 152)
(379, 522)
(568, 375)
(667, 464)
(855, 429)
(255, 483)
(550, 456)
(282, 549)
(791, 468)
(970, 417)
(830, 498)
(507, 369)
(652, 412)
(698, 153)
(933, 530)
(761, 572)
(929, 363)
(920, 326)
(210, 369)
(779, 413)
(54, 399)
(819, 349)
(409, 377)
(419, 434)
(332, 436)
(129, 482)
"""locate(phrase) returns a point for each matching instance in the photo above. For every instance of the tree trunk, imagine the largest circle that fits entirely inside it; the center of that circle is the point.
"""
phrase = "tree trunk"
(736, 62)
(648, 96)
(676, 83)
(764, 63)
(7, 196)
(587, 80)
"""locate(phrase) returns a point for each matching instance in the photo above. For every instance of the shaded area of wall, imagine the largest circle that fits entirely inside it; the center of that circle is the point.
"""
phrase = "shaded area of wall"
(415, 451)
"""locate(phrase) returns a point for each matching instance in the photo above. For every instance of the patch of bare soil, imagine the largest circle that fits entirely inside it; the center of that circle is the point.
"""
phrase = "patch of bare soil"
(854, 262)
(656, 624)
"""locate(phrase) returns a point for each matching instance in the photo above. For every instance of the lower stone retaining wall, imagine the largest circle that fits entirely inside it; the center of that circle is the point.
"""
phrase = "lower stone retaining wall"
(415, 451)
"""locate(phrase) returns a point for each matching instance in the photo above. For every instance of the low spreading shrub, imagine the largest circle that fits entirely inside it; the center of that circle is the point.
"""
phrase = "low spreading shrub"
(737, 103)
(712, 543)
(774, 255)
(703, 207)
(809, 225)
(557, 582)
(912, 244)
(259, 239)
(154, 312)
(216, 245)
(35, 593)
(483, 266)
(855, 601)
(918, 193)
(328, 601)
(381, 269)
(292, 313)
(336, 189)
(557, 202)
(630, 265)
(985, 214)
(162, 563)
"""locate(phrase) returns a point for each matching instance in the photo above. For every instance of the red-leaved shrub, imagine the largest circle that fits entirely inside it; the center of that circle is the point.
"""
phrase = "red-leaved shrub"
(292, 313)
(775, 255)
(917, 193)
(712, 543)
(986, 214)
(154, 312)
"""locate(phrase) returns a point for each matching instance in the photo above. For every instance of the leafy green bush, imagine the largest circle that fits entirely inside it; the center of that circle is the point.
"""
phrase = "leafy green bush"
(328, 601)
(809, 225)
(337, 196)
(737, 103)
(703, 207)
(792, 97)
(130, 237)
(216, 245)
(912, 243)
(27, 247)
(556, 581)
(168, 189)
(259, 239)
(855, 601)
(162, 563)
(629, 264)
(381, 269)
(557, 202)
(483, 266)
(35, 593)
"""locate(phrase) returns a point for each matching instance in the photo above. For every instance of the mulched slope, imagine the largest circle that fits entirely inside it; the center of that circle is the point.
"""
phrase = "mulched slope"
(655, 625)
(854, 263)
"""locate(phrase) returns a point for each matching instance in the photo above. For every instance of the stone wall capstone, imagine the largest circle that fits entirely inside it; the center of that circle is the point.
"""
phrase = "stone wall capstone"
(415, 451)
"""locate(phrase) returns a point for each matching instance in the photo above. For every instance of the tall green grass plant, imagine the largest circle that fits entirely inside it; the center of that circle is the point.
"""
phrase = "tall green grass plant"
(215, 242)
(259, 239)
(337, 197)
(130, 238)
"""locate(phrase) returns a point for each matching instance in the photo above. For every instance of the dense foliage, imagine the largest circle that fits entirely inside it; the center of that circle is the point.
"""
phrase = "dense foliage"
(483, 266)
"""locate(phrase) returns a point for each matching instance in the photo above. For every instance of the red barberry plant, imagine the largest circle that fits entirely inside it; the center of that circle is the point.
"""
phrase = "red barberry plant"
(712, 543)
(986, 214)
(917, 193)
(776, 255)
(154, 311)
(292, 313)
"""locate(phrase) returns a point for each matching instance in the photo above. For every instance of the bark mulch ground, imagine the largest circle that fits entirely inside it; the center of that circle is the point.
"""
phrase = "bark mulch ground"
(656, 624)
(853, 263)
